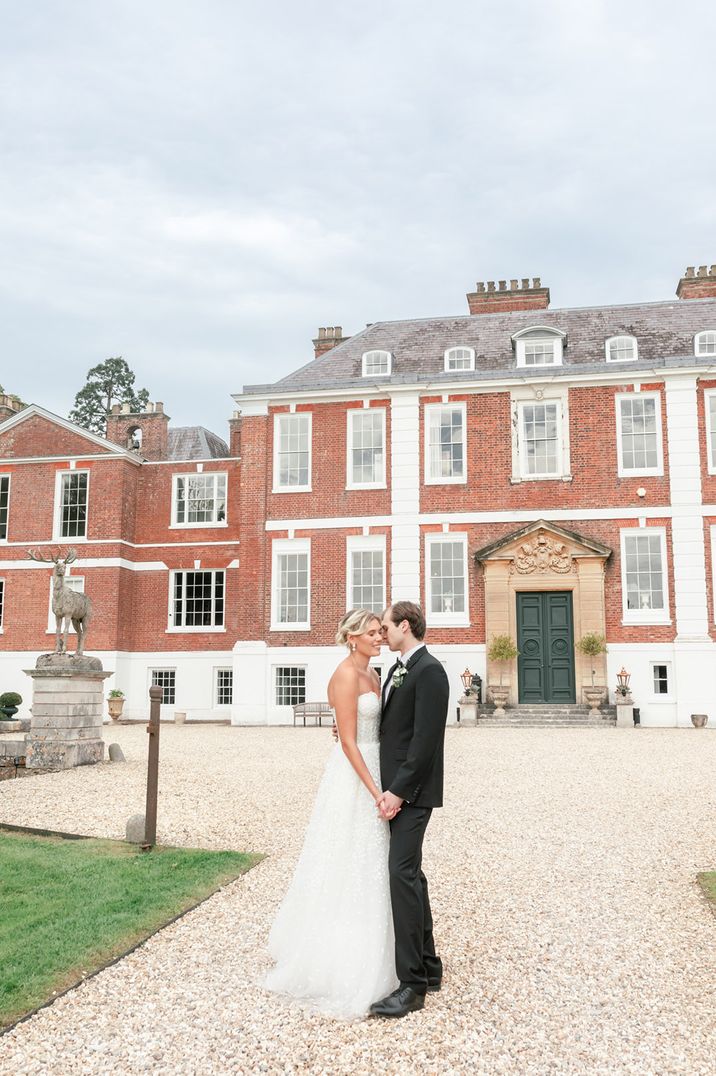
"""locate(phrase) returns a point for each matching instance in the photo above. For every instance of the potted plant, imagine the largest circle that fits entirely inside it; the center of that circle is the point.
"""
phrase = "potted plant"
(502, 649)
(9, 703)
(115, 702)
(592, 645)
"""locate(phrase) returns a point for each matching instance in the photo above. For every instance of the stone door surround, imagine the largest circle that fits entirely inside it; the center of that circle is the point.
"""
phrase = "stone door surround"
(544, 556)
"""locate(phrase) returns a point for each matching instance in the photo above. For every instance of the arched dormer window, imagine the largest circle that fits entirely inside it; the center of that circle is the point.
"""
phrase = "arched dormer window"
(377, 364)
(460, 358)
(705, 343)
(621, 349)
(539, 345)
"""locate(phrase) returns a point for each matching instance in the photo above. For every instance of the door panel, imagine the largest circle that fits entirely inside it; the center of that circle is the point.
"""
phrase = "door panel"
(546, 644)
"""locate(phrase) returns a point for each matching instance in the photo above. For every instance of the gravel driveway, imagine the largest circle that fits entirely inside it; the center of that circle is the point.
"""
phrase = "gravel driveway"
(563, 867)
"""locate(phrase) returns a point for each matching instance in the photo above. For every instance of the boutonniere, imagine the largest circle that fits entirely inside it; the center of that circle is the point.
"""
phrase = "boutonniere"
(399, 675)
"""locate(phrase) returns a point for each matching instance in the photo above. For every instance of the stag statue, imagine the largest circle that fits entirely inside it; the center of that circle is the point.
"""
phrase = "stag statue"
(68, 605)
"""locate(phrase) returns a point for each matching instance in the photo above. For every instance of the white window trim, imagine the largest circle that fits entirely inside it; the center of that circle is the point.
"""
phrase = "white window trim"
(3, 588)
(216, 705)
(457, 620)
(288, 545)
(709, 395)
(621, 336)
(51, 618)
(5, 474)
(461, 369)
(625, 472)
(277, 419)
(645, 616)
(537, 332)
(57, 514)
(377, 351)
(455, 480)
(670, 696)
(174, 525)
(162, 668)
(697, 341)
(518, 399)
(352, 412)
(359, 543)
(201, 629)
(286, 665)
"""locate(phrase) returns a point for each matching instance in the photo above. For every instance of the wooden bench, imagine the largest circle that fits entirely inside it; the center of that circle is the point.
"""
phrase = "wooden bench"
(315, 710)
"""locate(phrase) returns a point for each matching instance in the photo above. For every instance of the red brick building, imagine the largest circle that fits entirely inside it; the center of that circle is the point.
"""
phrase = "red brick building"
(153, 514)
(523, 470)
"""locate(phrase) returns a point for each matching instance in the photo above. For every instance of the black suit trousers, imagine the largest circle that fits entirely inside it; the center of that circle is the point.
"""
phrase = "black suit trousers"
(415, 958)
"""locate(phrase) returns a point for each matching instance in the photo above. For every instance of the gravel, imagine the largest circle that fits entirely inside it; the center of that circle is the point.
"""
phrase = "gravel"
(563, 865)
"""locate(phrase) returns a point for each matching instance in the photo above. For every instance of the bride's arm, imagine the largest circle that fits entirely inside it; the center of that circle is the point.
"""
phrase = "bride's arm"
(345, 704)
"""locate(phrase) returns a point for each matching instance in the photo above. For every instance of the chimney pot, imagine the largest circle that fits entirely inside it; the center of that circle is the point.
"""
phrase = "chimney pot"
(125, 409)
(703, 271)
(480, 287)
(690, 271)
(525, 282)
(503, 285)
(491, 285)
(513, 285)
(116, 409)
(713, 270)
(159, 407)
(536, 282)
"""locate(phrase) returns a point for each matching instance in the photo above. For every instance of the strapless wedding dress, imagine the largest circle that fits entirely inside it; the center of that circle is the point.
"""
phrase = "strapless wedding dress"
(332, 938)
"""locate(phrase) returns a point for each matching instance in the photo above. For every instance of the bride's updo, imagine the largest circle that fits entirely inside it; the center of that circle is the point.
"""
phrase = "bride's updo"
(355, 622)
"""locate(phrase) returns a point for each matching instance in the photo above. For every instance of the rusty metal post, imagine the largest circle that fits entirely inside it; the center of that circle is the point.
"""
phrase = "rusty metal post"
(150, 814)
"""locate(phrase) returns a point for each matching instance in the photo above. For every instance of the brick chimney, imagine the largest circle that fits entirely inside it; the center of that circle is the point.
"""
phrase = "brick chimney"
(145, 432)
(328, 338)
(490, 299)
(9, 406)
(235, 434)
(698, 284)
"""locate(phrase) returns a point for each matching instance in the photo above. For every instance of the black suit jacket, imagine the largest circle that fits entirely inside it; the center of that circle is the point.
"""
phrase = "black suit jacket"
(412, 732)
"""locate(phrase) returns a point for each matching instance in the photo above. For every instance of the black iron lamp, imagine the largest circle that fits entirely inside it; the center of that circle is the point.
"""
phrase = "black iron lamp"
(466, 678)
(623, 679)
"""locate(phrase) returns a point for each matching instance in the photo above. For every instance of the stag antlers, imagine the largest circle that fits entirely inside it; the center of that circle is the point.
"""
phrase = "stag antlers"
(71, 556)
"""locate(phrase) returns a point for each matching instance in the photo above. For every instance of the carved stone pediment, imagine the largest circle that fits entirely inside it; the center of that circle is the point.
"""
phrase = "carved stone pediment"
(542, 554)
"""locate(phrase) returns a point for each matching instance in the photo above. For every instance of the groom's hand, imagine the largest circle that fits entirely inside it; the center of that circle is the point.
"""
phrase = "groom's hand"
(334, 731)
(389, 805)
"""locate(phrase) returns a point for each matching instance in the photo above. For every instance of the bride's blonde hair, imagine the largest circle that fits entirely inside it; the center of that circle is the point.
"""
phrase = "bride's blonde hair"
(355, 622)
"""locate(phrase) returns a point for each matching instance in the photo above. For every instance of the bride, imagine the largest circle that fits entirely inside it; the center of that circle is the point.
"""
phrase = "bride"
(332, 938)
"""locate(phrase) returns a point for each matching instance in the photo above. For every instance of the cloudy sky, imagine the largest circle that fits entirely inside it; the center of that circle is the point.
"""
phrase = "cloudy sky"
(199, 186)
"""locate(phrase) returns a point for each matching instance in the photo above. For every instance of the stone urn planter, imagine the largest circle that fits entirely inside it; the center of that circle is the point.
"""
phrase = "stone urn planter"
(9, 703)
(594, 696)
(115, 705)
(699, 720)
(500, 696)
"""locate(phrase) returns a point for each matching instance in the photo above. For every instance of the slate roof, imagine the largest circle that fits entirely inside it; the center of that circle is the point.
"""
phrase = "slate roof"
(195, 443)
(664, 332)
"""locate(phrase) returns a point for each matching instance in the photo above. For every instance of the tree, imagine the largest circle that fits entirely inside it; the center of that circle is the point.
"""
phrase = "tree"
(109, 383)
(502, 649)
(592, 645)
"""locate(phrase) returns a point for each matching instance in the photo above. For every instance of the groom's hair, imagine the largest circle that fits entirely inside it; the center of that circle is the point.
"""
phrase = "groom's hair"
(412, 613)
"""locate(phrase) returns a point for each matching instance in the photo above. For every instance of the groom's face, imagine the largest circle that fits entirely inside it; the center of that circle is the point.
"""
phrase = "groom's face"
(392, 635)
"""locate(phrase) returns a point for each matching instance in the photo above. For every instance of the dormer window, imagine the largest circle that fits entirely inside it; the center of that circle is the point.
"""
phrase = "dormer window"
(459, 358)
(621, 349)
(377, 364)
(539, 345)
(705, 343)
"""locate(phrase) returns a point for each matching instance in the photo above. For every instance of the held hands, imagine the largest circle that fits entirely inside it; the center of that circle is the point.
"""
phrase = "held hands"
(388, 805)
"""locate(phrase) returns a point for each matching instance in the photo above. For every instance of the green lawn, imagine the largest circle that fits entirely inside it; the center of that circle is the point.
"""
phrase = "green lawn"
(707, 881)
(69, 907)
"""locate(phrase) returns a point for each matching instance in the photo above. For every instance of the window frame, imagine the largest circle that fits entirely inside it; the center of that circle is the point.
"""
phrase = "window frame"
(360, 543)
(274, 677)
(697, 340)
(534, 333)
(525, 475)
(2, 604)
(152, 669)
(625, 472)
(710, 426)
(194, 629)
(176, 478)
(668, 696)
(57, 535)
(377, 351)
(645, 616)
(459, 369)
(350, 420)
(278, 547)
(621, 336)
(6, 476)
(218, 669)
(278, 419)
(453, 619)
(451, 480)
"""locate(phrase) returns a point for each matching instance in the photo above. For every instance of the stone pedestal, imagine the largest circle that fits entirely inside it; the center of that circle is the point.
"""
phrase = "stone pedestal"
(67, 712)
(625, 712)
(468, 710)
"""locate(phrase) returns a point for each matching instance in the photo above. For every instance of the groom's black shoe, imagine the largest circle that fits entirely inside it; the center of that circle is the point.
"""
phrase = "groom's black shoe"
(399, 1003)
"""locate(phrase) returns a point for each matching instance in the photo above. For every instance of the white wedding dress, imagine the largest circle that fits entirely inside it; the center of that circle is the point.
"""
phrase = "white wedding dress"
(332, 938)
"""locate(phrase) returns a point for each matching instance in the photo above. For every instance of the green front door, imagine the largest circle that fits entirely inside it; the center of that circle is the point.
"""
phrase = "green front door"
(545, 640)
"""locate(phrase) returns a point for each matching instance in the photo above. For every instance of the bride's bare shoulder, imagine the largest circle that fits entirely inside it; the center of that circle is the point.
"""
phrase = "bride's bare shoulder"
(344, 682)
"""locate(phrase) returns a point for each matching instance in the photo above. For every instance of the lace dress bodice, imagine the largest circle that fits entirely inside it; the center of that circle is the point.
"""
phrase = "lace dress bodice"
(368, 730)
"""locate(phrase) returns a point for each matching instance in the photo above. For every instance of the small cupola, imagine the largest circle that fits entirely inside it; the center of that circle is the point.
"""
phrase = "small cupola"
(145, 432)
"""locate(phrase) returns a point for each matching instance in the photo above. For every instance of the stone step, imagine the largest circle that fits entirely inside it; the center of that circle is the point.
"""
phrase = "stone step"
(497, 723)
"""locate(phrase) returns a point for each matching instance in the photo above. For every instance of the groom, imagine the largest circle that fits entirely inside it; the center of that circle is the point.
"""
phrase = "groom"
(412, 731)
